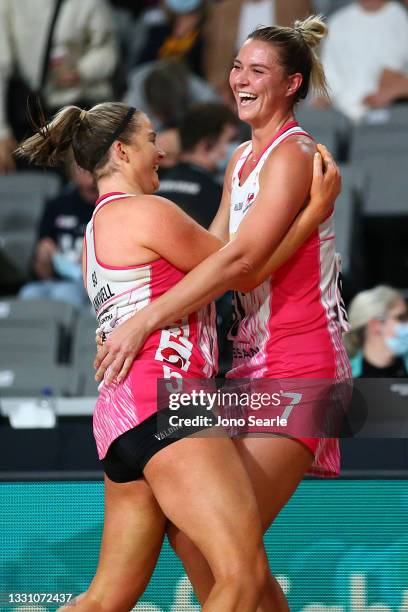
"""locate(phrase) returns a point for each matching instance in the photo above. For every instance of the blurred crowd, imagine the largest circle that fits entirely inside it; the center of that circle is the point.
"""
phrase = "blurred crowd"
(164, 55)
(171, 59)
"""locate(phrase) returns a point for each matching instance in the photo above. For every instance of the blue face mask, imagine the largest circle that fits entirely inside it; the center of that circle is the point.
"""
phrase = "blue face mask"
(183, 6)
(223, 163)
(66, 268)
(398, 343)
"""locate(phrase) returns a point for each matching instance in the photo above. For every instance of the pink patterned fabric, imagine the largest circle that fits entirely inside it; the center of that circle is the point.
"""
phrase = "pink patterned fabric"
(186, 349)
(291, 325)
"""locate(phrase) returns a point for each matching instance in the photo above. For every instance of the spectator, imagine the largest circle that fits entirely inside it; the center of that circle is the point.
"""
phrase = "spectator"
(206, 134)
(228, 24)
(164, 90)
(378, 340)
(175, 32)
(83, 56)
(365, 56)
(57, 257)
(132, 7)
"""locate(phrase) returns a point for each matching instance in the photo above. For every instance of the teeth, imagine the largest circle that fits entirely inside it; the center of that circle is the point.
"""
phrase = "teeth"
(243, 94)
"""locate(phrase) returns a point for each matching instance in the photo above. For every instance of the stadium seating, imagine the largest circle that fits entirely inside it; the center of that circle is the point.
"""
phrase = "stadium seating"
(16, 249)
(14, 311)
(28, 342)
(384, 132)
(347, 216)
(328, 127)
(83, 352)
(30, 379)
(22, 197)
(387, 185)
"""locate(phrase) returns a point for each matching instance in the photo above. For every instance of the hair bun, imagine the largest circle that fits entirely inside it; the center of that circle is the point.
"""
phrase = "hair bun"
(312, 30)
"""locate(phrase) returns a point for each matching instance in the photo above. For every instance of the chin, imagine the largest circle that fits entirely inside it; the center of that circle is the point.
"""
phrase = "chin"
(247, 114)
(247, 117)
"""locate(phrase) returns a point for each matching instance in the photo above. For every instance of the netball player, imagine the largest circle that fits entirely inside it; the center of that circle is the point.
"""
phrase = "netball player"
(137, 247)
(291, 325)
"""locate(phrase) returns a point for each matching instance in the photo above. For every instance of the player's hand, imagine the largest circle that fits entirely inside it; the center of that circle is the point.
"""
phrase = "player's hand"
(326, 184)
(116, 355)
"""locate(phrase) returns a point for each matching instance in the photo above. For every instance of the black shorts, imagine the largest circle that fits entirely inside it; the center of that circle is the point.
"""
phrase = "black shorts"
(128, 455)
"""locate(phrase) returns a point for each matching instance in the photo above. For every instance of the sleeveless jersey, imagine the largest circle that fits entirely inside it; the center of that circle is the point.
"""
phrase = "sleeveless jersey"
(186, 349)
(291, 325)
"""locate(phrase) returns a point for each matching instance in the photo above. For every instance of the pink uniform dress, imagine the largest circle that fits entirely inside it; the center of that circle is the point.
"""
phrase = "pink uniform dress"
(290, 327)
(186, 350)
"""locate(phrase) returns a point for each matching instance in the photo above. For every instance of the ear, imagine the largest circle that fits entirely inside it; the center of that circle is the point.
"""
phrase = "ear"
(120, 151)
(294, 83)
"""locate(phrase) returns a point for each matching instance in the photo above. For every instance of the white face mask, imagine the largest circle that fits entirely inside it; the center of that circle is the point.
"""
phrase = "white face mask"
(398, 344)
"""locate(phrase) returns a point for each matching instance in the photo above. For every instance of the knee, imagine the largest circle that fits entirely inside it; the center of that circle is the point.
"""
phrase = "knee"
(250, 573)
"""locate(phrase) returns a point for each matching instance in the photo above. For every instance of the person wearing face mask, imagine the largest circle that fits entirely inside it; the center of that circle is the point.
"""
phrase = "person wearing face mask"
(56, 264)
(378, 340)
(208, 131)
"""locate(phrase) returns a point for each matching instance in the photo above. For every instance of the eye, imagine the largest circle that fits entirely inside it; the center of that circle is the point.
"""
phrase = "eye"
(236, 67)
(258, 71)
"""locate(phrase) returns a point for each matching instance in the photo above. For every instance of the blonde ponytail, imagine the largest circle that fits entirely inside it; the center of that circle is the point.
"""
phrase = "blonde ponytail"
(312, 30)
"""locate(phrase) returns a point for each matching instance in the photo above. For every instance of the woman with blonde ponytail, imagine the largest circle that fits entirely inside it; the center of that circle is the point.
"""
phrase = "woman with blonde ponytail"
(289, 317)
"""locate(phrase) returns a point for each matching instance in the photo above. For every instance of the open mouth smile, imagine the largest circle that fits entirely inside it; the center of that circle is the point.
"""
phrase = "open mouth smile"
(246, 98)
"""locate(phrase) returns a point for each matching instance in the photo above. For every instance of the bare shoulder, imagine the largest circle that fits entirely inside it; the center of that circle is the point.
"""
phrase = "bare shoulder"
(291, 161)
(297, 150)
(150, 205)
(299, 144)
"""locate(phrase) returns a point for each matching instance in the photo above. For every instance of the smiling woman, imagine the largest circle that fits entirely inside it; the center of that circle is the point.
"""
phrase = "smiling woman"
(288, 315)
(137, 246)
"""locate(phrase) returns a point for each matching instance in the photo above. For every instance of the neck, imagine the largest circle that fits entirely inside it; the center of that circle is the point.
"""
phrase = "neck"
(377, 354)
(198, 159)
(116, 182)
(261, 134)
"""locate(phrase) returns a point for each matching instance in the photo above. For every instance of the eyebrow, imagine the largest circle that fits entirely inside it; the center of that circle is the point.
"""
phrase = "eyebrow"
(236, 60)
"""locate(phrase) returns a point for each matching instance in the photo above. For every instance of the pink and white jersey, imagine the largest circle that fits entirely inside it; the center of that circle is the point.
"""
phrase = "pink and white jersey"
(291, 325)
(187, 349)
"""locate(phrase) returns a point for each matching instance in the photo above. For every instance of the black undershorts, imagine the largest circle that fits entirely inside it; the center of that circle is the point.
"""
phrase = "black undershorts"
(128, 455)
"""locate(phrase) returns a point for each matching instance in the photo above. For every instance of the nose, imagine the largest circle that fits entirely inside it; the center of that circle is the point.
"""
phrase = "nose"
(162, 154)
(242, 78)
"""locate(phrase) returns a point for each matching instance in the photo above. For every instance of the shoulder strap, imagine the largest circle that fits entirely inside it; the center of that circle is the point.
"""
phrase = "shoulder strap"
(46, 57)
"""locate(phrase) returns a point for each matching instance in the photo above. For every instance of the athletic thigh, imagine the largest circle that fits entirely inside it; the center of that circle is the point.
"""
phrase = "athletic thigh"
(202, 487)
(275, 466)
